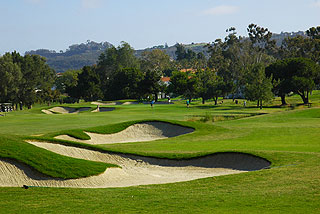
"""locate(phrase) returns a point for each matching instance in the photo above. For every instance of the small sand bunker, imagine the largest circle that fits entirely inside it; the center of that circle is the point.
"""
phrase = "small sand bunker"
(135, 170)
(103, 109)
(114, 103)
(139, 132)
(65, 110)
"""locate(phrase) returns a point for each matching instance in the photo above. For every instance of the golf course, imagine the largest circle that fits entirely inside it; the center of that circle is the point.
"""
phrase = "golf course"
(132, 158)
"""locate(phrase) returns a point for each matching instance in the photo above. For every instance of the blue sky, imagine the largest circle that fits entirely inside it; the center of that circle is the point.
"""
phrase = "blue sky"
(56, 24)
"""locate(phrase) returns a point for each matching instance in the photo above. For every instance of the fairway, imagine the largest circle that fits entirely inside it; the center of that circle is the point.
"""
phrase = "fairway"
(218, 140)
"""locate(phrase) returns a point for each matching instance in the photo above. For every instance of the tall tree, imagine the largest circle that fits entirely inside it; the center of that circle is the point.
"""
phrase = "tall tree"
(11, 75)
(209, 85)
(155, 60)
(226, 58)
(304, 75)
(298, 46)
(182, 84)
(280, 79)
(126, 83)
(150, 84)
(89, 84)
(113, 60)
(314, 32)
(258, 87)
(262, 44)
(67, 80)
(37, 77)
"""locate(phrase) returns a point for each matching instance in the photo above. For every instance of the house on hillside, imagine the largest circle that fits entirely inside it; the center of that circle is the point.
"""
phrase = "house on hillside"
(165, 81)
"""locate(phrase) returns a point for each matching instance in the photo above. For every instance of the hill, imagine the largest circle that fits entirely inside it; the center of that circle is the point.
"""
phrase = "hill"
(75, 57)
(79, 55)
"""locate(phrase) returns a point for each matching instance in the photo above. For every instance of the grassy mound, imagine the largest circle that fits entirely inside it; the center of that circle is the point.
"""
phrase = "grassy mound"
(48, 163)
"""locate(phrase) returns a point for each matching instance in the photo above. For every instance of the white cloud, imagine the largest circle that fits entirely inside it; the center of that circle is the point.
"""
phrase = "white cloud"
(317, 4)
(90, 4)
(221, 10)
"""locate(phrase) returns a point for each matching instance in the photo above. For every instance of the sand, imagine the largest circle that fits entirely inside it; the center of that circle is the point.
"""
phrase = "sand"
(47, 111)
(135, 170)
(106, 104)
(103, 109)
(64, 110)
(139, 132)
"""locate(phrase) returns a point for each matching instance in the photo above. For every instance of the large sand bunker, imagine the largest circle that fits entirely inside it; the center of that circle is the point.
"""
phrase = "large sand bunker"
(135, 170)
(65, 110)
(139, 132)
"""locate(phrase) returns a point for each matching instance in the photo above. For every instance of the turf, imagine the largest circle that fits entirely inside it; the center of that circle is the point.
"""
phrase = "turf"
(286, 136)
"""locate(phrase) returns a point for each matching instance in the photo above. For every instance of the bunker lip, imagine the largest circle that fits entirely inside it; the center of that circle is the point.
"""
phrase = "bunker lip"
(136, 170)
(139, 132)
(230, 160)
(65, 110)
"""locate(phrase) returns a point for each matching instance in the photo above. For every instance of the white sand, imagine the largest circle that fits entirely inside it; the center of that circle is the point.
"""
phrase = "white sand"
(64, 110)
(103, 109)
(133, 172)
(106, 104)
(47, 111)
(139, 132)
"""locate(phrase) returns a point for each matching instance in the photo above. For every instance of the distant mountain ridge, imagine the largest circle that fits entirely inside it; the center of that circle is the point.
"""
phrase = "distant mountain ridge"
(75, 57)
(79, 55)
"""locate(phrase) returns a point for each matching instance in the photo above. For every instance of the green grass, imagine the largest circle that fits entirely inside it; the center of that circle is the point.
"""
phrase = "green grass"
(286, 136)
(47, 162)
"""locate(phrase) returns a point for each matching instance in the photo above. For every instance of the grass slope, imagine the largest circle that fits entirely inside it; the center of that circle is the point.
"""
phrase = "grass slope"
(47, 162)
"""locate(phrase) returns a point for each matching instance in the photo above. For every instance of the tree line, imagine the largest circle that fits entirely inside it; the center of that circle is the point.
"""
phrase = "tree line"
(253, 67)
(25, 80)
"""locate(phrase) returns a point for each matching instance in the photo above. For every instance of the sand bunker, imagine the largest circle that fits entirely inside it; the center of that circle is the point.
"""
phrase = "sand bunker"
(65, 110)
(139, 132)
(113, 103)
(103, 109)
(135, 170)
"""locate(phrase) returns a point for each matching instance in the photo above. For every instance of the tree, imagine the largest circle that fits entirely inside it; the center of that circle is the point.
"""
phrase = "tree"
(155, 60)
(314, 35)
(297, 46)
(113, 60)
(67, 81)
(226, 59)
(37, 77)
(262, 44)
(314, 32)
(280, 79)
(89, 84)
(298, 75)
(258, 87)
(126, 83)
(180, 52)
(209, 85)
(11, 75)
(150, 84)
(187, 58)
(182, 84)
(302, 46)
(303, 77)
